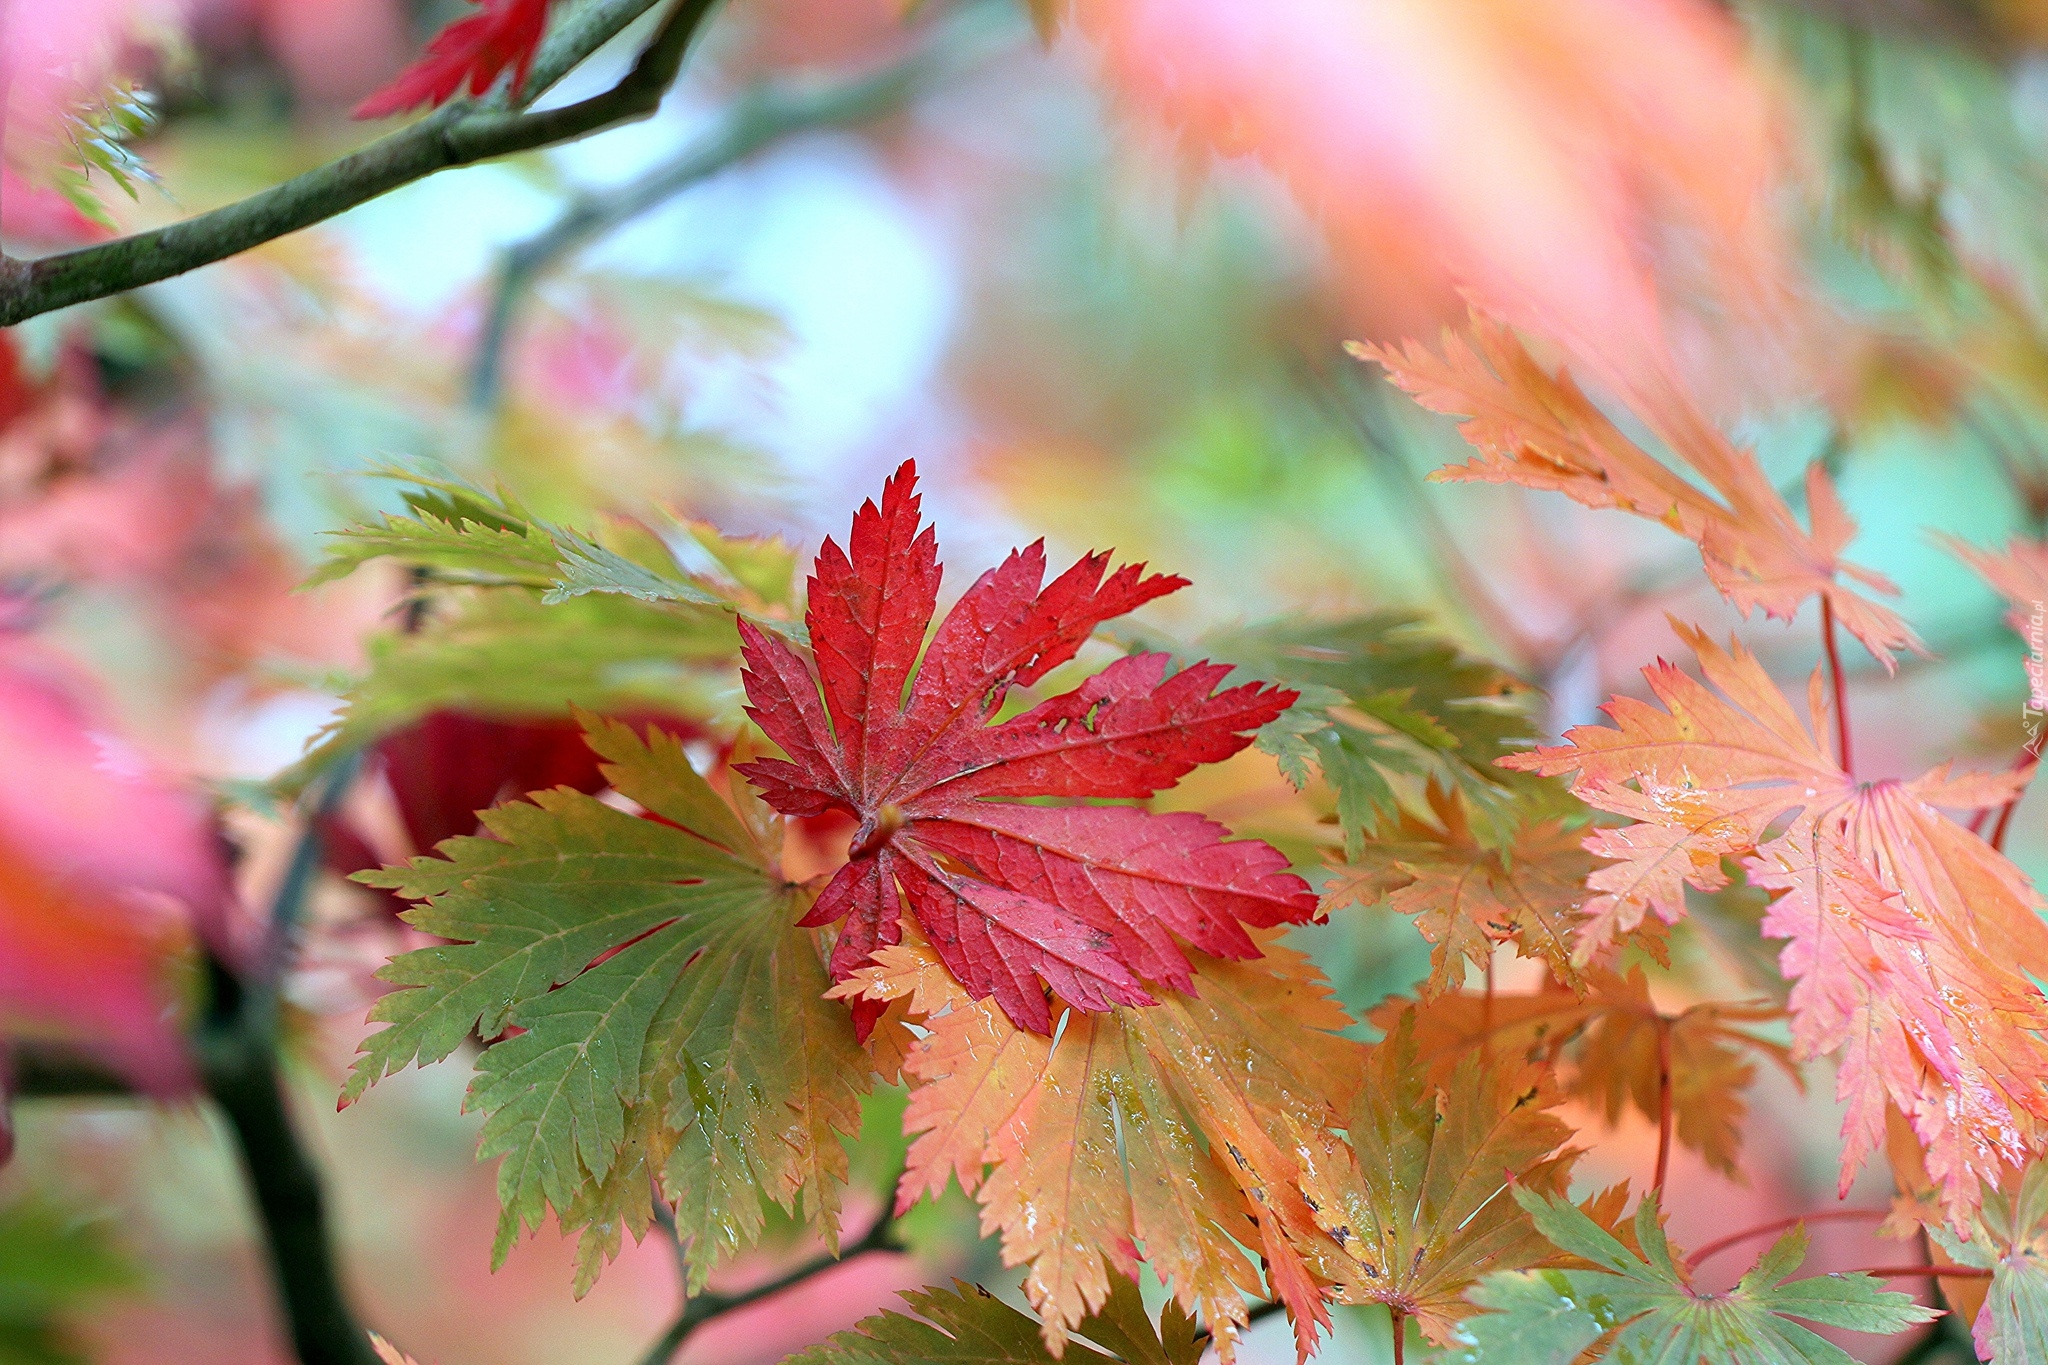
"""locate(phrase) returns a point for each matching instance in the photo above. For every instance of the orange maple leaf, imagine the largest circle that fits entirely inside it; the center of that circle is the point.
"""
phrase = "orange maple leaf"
(1415, 1206)
(1910, 938)
(1169, 1128)
(1467, 898)
(1605, 1036)
(1538, 429)
(2019, 573)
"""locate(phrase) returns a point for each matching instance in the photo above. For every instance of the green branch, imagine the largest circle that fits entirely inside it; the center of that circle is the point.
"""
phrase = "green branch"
(455, 135)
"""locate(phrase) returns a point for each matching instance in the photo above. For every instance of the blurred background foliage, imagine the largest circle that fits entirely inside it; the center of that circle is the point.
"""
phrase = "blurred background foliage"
(1089, 315)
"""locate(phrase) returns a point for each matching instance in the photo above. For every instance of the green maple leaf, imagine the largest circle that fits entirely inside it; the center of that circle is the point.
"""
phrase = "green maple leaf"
(1384, 703)
(967, 1325)
(2009, 1238)
(673, 1025)
(1642, 1308)
(503, 652)
(459, 532)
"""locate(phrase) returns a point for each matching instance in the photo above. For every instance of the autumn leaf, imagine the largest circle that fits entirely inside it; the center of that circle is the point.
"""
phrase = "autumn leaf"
(1712, 1065)
(1908, 935)
(501, 652)
(1385, 703)
(1158, 1128)
(1640, 1304)
(455, 532)
(1603, 1040)
(1415, 1207)
(967, 1325)
(1466, 898)
(476, 49)
(2009, 1238)
(2019, 573)
(500, 628)
(388, 1353)
(1087, 899)
(657, 1011)
(1538, 429)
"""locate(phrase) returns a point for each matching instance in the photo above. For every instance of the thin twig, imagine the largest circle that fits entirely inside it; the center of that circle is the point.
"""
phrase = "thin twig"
(43, 1073)
(2020, 760)
(758, 117)
(1720, 1244)
(705, 1307)
(455, 135)
(1663, 1105)
(1827, 634)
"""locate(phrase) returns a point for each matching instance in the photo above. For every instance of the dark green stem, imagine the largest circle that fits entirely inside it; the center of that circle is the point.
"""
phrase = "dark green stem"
(239, 1066)
(45, 1073)
(455, 135)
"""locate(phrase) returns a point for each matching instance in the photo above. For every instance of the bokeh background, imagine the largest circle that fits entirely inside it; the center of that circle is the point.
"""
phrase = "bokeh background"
(1095, 276)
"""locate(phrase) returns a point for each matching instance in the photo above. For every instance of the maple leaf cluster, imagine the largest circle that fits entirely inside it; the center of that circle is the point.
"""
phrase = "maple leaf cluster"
(1105, 1040)
(1908, 936)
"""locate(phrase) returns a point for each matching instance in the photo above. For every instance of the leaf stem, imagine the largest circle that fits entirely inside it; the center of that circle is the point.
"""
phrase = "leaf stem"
(1663, 1105)
(1399, 1321)
(2026, 755)
(457, 134)
(1721, 1244)
(705, 1307)
(1839, 684)
(2004, 820)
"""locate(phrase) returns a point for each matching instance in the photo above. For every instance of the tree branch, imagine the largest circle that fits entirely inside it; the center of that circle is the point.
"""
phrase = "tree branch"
(240, 1067)
(455, 135)
(760, 116)
(236, 1044)
(50, 1073)
(702, 1309)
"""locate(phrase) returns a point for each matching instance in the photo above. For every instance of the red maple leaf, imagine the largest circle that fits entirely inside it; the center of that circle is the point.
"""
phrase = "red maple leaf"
(1088, 899)
(503, 33)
